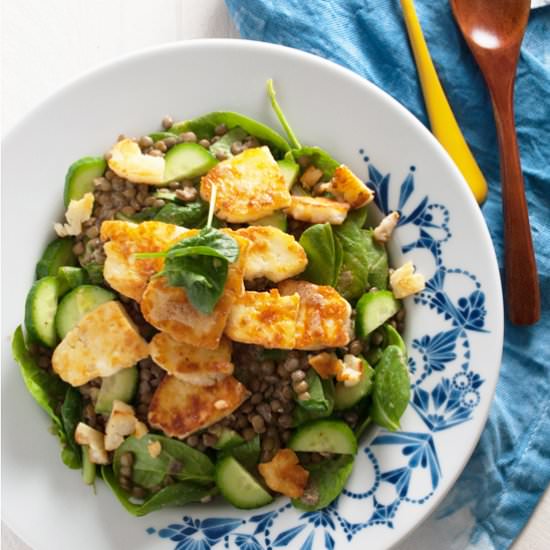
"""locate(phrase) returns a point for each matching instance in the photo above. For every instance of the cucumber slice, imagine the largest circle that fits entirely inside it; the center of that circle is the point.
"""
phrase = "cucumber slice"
(88, 468)
(80, 177)
(324, 436)
(187, 160)
(121, 386)
(277, 219)
(40, 311)
(70, 277)
(290, 170)
(346, 397)
(238, 486)
(76, 304)
(373, 310)
(58, 253)
(395, 339)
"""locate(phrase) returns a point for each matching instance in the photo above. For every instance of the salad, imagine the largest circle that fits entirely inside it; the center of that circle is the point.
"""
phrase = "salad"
(217, 316)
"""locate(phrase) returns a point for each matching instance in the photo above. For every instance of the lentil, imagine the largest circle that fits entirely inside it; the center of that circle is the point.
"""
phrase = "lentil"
(186, 194)
(145, 141)
(205, 143)
(300, 387)
(191, 137)
(167, 122)
(220, 130)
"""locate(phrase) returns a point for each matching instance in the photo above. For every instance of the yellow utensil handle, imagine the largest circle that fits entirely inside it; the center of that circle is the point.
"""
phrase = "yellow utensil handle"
(442, 119)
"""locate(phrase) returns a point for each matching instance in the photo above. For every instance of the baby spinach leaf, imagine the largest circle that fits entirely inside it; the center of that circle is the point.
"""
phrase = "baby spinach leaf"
(175, 495)
(280, 115)
(393, 338)
(247, 454)
(354, 273)
(323, 260)
(327, 480)
(149, 472)
(321, 401)
(204, 127)
(71, 414)
(223, 145)
(209, 242)
(94, 272)
(319, 158)
(391, 392)
(157, 136)
(191, 215)
(377, 261)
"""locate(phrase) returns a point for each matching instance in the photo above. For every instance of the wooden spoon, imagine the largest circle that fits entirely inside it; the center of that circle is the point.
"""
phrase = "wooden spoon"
(493, 30)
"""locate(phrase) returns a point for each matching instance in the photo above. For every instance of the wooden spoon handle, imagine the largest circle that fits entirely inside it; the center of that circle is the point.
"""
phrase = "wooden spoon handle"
(521, 278)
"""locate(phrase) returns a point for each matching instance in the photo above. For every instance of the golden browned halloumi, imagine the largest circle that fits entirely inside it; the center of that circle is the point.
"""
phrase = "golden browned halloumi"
(264, 318)
(103, 342)
(284, 474)
(125, 273)
(405, 281)
(317, 210)
(128, 162)
(94, 440)
(349, 188)
(323, 318)
(199, 366)
(168, 309)
(273, 254)
(180, 409)
(249, 186)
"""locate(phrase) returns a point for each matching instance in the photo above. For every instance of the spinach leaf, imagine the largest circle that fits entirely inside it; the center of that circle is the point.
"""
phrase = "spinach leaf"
(391, 392)
(321, 391)
(209, 242)
(377, 261)
(204, 127)
(223, 145)
(354, 273)
(247, 454)
(280, 115)
(191, 215)
(71, 414)
(149, 472)
(362, 426)
(95, 273)
(157, 136)
(319, 158)
(327, 480)
(323, 260)
(143, 215)
(177, 494)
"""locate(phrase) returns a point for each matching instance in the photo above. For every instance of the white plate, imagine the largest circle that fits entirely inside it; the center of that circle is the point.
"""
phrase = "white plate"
(454, 328)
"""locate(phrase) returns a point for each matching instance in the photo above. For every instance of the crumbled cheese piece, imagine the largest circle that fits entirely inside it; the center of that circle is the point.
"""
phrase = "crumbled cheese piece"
(324, 316)
(221, 404)
(404, 281)
(317, 210)
(264, 318)
(140, 430)
(350, 371)
(85, 435)
(199, 366)
(311, 176)
(273, 254)
(325, 364)
(154, 448)
(284, 474)
(128, 162)
(383, 231)
(180, 409)
(122, 422)
(349, 188)
(249, 185)
(78, 212)
(103, 342)
(122, 270)
(168, 309)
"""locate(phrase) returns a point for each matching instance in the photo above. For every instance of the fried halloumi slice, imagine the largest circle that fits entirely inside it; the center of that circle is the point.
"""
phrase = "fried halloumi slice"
(128, 162)
(122, 422)
(103, 342)
(199, 366)
(404, 281)
(317, 210)
(94, 440)
(323, 318)
(284, 474)
(180, 409)
(349, 188)
(264, 318)
(78, 212)
(326, 364)
(125, 273)
(273, 254)
(168, 308)
(249, 186)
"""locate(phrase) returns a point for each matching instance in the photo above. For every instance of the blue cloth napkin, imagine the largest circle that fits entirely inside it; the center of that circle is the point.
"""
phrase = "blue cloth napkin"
(510, 468)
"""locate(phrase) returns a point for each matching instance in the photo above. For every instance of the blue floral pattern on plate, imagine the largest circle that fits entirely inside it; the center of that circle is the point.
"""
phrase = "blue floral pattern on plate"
(444, 395)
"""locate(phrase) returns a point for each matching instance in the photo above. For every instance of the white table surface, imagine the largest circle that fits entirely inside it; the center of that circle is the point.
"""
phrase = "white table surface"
(46, 43)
